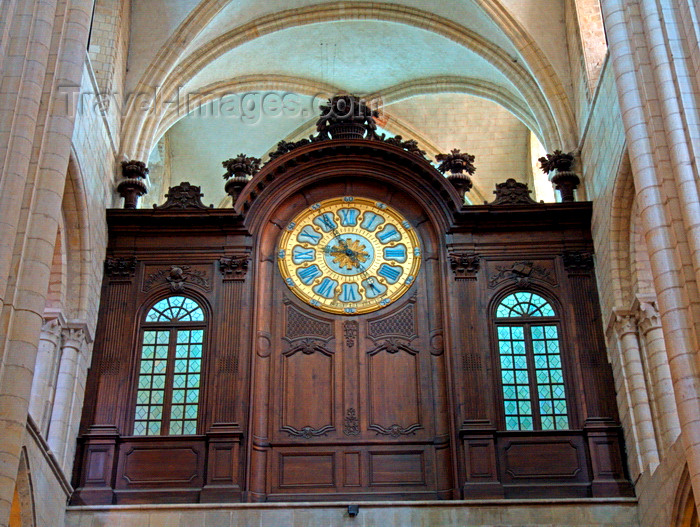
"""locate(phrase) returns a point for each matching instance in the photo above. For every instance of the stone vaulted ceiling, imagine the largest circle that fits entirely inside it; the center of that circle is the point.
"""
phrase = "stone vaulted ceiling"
(489, 77)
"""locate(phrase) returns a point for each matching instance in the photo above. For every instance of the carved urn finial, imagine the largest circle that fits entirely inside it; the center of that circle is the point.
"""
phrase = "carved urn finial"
(239, 170)
(133, 186)
(564, 178)
(456, 163)
(346, 117)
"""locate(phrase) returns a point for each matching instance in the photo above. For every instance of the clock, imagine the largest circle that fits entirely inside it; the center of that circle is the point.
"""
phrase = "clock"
(349, 255)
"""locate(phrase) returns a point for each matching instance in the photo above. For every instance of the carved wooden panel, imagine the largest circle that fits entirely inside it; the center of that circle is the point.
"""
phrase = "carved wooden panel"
(162, 464)
(394, 392)
(543, 459)
(393, 468)
(305, 371)
(479, 459)
(303, 470)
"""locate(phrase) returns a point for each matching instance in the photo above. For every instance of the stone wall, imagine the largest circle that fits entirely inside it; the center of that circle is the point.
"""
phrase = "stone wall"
(511, 513)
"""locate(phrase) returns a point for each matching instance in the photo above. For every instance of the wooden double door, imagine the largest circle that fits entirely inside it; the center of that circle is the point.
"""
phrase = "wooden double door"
(356, 404)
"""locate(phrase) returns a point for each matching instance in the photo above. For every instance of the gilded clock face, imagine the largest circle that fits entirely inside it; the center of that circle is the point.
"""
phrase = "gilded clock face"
(349, 255)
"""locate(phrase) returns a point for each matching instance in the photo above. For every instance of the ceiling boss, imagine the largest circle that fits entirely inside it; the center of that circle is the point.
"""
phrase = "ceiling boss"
(349, 255)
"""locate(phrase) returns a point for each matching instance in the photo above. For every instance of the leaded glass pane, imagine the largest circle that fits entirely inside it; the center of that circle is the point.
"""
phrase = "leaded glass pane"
(514, 376)
(190, 427)
(151, 383)
(175, 427)
(549, 377)
(185, 398)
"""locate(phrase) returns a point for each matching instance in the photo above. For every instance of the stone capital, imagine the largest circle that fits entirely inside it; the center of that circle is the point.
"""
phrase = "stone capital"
(52, 327)
(625, 323)
(76, 336)
(647, 315)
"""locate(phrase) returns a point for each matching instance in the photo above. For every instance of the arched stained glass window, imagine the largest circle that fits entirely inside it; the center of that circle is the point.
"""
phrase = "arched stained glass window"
(167, 397)
(532, 378)
(524, 305)
(175, 308)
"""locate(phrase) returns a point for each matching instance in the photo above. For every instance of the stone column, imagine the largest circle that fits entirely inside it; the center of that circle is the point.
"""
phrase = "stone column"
(626, 331)
(662, 393)
(658, 220)
(68, 393)
(47, 359)
(83, 339)
(46, 43)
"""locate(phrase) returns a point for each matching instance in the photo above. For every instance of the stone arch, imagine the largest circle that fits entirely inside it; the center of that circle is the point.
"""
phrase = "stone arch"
(390, 95)
(538, 84)
(619, 245)
(76, 236)
(685, 512)
(23, 514)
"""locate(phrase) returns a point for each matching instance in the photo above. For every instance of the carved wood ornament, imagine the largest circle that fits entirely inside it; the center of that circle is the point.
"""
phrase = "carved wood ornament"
(399, 402)
(177, 277)
(465, 265)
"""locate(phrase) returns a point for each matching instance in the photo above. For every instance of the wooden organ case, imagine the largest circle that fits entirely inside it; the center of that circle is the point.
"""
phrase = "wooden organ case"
(404, 401)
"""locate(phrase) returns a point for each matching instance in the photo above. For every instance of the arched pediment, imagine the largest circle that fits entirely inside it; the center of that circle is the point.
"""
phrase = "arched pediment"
(358, 159)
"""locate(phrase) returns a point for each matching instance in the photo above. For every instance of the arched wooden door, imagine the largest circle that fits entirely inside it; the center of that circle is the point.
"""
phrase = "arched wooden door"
(350, 406)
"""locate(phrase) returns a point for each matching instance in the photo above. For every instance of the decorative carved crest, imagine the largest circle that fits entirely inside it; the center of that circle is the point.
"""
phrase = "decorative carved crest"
(578, 261)
(234, 267)
(393, 345)
(308, 346)
(183, 196)
(395, 430)
(307, 432)
(512, 193)
(120, 267)
(464, 265)
(350, 329)
(521, 273)
(177, 276)
(351, 425)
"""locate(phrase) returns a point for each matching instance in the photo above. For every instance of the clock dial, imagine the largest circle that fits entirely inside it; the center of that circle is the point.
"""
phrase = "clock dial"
(349, 255)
